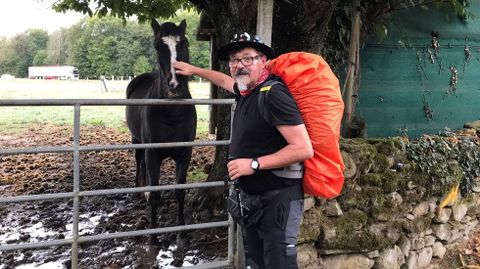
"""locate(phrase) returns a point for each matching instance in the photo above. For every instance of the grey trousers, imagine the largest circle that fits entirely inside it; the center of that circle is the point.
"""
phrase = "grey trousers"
(272, 241)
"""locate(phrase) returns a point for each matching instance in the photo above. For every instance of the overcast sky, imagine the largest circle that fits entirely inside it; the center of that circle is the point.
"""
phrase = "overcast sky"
(17, 16)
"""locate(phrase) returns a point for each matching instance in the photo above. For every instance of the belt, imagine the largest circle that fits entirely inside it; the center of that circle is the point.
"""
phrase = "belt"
(278, 191)
(292, 171)
(271, 193)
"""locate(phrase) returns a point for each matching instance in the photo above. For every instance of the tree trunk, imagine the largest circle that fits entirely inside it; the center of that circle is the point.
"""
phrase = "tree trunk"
(228, 17)
(231, 17)
(306, 27)
(351, 80)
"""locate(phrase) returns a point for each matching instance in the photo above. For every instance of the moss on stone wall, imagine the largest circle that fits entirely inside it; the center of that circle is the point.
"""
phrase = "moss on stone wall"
(353, 240)
(362, 152)
(417, 225)
(311, 226)
(363, 198)
(384, 213)
(392, 192)
(389, 181)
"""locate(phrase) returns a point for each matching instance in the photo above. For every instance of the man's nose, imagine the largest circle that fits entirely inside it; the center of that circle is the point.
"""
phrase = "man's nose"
(241, 66)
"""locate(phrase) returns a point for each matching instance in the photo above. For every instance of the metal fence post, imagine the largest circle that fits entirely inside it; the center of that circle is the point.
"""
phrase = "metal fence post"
(76, 184)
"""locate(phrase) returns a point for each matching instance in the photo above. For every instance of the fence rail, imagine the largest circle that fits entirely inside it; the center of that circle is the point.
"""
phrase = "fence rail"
(112, 147)
(76, 194)
(112, 102)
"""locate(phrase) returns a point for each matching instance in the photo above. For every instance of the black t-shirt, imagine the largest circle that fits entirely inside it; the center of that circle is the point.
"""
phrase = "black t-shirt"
(252, 136)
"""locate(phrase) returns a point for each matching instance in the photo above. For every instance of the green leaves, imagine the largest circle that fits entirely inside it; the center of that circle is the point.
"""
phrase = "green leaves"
(105, 46)
(141, 66)
(18, 52)
(40, 57)
(144, 10)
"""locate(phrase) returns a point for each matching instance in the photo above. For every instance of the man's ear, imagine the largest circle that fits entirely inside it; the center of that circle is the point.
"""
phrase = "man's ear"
(264, 60)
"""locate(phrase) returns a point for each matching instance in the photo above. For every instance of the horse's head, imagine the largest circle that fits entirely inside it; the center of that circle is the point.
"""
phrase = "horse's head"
(171, 45)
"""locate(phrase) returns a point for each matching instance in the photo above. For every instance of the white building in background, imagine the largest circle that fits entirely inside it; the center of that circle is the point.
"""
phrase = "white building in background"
(62, 72)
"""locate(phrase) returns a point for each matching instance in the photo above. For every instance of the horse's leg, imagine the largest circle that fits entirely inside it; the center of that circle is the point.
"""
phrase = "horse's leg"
(152, 164)
(181, 169)
(140, 177)
(181, 175)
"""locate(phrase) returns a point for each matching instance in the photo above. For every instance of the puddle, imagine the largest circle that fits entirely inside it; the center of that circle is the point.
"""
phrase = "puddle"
(165, 257)
(49, 265)
(4, 188)
(11, 232)
(15, 233)
(87, 223)
(38, 233)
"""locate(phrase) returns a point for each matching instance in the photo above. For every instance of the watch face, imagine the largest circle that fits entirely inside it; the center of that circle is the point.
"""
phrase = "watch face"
(254, 164)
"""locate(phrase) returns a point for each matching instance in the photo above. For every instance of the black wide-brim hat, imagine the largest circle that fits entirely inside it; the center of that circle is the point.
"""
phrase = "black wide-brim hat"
(244, 40)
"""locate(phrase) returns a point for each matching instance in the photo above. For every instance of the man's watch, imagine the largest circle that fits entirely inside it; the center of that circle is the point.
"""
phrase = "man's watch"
(255, 165)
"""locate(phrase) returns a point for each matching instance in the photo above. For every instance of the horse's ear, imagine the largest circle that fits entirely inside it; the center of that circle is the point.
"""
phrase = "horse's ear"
(155, 25)
(183, 26)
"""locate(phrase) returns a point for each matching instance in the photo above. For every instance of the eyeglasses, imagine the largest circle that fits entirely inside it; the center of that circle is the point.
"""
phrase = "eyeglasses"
(246, 61)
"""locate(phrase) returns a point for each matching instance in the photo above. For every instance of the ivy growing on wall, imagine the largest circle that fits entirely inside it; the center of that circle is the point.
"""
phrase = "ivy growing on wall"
(439, 156)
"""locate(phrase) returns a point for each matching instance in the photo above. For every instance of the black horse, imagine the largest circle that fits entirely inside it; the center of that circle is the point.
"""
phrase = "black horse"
(159, 123)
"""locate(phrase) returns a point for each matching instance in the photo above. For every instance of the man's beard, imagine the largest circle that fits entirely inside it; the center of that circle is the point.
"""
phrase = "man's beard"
(242, 78)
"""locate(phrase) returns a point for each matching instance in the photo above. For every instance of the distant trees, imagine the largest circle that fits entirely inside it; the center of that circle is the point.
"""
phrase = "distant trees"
(107, 47)
(20, 54)
(96, 46)
(56, 52)
(40, 57)
(17, 53)
(141, 65)
(199, 50)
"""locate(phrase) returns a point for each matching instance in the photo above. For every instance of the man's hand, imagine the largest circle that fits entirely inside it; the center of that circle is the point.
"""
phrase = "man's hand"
(217, 78)
(183, 68)
(239, 167)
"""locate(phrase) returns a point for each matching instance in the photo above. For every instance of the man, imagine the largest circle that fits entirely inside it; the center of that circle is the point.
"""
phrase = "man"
(262, 150)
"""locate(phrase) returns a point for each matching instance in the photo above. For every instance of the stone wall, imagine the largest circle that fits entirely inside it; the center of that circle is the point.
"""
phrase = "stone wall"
(399, 207)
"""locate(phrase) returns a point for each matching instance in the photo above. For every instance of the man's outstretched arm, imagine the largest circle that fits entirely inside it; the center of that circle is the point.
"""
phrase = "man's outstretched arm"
(217, 78)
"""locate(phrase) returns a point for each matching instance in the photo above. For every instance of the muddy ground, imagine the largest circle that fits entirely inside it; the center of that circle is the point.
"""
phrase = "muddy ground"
(29, 222)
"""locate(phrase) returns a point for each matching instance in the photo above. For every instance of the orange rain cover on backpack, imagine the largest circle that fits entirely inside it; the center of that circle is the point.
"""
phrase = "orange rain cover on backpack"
(316, 90)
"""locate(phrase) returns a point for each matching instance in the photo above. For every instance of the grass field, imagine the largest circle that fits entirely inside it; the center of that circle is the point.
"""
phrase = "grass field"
(13, 119)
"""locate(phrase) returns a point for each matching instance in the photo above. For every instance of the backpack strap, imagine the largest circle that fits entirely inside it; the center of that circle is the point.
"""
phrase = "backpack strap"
(294, 170)
(263, 97)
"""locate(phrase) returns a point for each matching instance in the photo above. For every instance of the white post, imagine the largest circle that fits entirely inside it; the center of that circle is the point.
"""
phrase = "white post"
(265, 20)
(103, 84)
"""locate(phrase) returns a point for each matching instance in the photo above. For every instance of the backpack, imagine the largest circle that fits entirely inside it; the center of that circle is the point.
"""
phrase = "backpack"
(316, 91)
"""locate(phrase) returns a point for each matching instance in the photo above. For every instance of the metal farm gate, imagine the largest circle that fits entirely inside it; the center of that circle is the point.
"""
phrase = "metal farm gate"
(76, 194)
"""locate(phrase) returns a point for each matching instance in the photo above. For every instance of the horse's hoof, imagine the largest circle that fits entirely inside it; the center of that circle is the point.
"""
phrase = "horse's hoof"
(177, 262)
(179, 253)
(67, 264)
